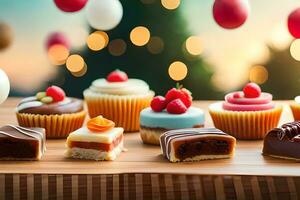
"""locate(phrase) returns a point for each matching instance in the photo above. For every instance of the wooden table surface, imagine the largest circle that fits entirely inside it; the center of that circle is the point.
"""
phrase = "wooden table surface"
(142, 158)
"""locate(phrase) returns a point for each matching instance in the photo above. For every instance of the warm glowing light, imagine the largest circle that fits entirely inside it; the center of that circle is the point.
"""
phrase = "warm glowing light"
(117, 47)
(140, 36)
(258, 74)
(194, 45)
(75, 63)
(58, 54)
(155, 45)
(295, 49)
(97, 40)
(170, 4)
(178, 70)
(81, 73)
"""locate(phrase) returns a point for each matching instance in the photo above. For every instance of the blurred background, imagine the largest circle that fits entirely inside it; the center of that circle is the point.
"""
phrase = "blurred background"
(160, 41)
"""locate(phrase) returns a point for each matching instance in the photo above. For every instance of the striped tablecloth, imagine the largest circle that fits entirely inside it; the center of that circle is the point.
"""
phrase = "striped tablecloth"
(147, 186)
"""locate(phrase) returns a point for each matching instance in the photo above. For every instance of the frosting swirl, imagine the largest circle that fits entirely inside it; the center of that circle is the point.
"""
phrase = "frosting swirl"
(263, 102)
(130, 87)
(100, 124)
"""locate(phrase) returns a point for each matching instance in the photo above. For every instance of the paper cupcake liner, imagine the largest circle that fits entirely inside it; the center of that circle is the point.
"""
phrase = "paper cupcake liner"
(248, 125)
(57, 126)
(123, 110)
(295, 110)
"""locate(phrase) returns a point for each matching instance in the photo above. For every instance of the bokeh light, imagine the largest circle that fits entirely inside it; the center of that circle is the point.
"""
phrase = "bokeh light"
(117, 47)
(97, 40)
(140, 36)
(58, 54)
(155, 45)
(81, 73)
(75, 63)
(170, 4)
(178, 70)
(258, 74)
(295, 49)
(194, 45)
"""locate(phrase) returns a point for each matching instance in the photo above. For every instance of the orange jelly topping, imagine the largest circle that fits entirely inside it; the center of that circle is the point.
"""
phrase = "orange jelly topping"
(100, 124)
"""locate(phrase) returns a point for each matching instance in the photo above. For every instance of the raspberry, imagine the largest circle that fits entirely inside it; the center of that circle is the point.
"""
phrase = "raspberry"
(252, 90)
(183, 94)
(158, 103)
(237, 95)
(56, 93)
(176, 106)
(117, 76)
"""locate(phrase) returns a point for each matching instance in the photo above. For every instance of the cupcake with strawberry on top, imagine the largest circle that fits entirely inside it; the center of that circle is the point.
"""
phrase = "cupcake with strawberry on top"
(173, 111)
(247, 114)
(118, 98)
(51, 110)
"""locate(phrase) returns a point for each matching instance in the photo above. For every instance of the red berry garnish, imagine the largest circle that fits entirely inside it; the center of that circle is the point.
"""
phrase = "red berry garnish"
(56, 93)
(117, 76)
(252, 90)
(158, 103)
(176, 106)
(183, 94)
(237, 95)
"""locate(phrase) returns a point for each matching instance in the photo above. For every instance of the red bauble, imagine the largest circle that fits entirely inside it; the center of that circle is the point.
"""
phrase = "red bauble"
(70, 5)
(294, 23)
(230, 14)
(57, 38)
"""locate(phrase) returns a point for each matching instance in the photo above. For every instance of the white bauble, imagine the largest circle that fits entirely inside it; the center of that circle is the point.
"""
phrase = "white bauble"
(104, 14)
(4, 86)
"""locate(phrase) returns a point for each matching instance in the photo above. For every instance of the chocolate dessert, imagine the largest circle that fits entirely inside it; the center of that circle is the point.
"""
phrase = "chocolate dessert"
(18, 143)
(196, 144)
(283, 142)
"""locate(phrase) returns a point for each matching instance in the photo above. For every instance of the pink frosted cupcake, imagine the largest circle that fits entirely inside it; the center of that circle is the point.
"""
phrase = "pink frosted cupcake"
(247, 114)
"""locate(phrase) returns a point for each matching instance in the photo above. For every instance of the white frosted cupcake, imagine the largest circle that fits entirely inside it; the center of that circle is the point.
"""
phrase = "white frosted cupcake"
(119, 99)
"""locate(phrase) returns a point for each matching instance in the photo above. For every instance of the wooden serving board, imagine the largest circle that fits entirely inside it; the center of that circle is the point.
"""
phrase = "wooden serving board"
(142, 158)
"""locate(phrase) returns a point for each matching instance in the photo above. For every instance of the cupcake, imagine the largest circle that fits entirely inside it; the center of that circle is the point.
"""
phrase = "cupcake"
(247, 114)
(174, 111)
(51, 110)
(295, 107)
(119, 99)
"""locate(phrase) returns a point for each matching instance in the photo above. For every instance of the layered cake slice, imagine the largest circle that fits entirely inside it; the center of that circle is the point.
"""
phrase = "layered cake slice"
(196, 144)
(19, 143)
(99, 140)
(283, 142)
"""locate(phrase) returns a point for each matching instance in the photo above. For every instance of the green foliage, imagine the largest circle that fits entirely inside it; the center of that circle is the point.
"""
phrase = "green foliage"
(284, 75)
(138, 62)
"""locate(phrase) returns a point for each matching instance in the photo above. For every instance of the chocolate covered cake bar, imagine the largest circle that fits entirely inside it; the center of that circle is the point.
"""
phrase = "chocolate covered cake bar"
(196, 144)
(19, 143)
(283, 142)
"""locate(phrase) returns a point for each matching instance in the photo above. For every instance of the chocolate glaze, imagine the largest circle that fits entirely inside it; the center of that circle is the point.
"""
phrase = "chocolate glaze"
(72, 106)
(283, 141)
(21, 143)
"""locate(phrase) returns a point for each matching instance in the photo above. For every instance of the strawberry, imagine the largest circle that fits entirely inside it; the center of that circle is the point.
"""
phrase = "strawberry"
(158, 103)
(252, 90)
(176, 106)
(56, 93)
(183, 94)
(117, 76)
